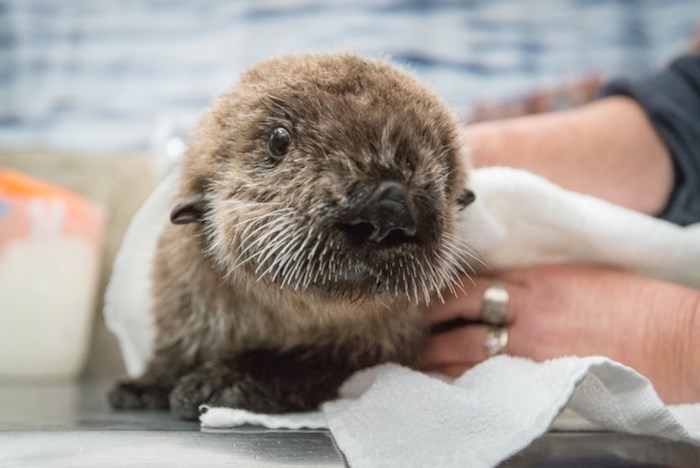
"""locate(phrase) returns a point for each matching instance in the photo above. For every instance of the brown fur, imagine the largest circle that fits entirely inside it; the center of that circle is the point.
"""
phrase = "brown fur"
(354, 123)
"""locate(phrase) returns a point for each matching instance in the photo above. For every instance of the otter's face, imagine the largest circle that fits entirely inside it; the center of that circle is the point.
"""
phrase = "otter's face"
(330, 175)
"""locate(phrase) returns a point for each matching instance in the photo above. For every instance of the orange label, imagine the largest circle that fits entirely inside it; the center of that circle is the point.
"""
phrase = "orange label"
(31, 208)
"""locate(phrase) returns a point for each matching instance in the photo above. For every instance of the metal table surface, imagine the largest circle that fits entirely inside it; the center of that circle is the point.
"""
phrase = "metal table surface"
(70, 425)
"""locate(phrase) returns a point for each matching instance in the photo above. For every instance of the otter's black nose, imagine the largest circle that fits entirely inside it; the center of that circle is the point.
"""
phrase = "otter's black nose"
(387, 217)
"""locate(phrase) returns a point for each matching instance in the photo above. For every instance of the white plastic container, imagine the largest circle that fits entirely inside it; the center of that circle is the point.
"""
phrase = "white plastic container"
(50, 244)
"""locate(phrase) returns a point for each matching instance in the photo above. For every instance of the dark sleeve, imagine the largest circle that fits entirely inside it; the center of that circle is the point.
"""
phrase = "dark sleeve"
(671, 100)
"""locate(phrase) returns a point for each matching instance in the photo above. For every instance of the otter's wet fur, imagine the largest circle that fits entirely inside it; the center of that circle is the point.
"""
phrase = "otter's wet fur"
(265, 297)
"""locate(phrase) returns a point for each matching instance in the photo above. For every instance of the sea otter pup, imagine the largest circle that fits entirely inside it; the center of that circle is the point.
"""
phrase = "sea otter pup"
(315, 219)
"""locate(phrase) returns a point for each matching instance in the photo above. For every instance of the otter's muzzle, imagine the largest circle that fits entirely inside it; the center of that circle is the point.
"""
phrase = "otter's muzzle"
(387, 217)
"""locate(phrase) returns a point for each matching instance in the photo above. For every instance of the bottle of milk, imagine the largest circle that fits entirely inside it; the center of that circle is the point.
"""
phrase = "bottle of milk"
(50, 246)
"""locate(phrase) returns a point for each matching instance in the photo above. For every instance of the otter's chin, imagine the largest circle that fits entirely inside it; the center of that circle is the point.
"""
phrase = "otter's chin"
(356, 273)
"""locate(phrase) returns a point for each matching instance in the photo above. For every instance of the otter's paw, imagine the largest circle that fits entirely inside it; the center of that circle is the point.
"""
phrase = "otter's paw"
(219, 385)
(200, 387)
(130, 394)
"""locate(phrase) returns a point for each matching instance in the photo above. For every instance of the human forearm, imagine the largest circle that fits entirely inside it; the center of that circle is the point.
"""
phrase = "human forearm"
(607, 149)
(692, 351)
(670, 352)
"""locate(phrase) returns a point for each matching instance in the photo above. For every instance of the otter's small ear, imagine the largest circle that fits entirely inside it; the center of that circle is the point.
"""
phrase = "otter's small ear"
(189, 211)
(466, 198)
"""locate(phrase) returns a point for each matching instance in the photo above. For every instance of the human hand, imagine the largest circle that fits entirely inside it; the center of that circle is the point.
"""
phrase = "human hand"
(575, 310)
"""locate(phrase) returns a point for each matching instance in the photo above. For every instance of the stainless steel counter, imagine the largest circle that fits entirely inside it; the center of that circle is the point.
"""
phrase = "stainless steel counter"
(70, 425)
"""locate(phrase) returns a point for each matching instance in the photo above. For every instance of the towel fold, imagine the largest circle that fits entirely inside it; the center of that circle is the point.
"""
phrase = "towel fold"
(393, 416)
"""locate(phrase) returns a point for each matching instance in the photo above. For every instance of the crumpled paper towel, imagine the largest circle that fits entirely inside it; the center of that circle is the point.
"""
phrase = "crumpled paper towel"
(409, 419)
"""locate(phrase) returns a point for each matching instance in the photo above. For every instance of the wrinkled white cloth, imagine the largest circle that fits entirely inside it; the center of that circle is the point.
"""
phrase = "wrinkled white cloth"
(405, 418)
(128, 307)
(522, 219)
(409, 419)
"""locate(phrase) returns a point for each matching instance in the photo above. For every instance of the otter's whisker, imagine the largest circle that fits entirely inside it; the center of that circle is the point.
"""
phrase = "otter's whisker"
(468, 250)
(286, 221)
(291, 266)
(295, 272)
(422, 277)
(254, 220)
(285, 243)
(271, 228)
(271, 232)
(414, 283)
(405, 282)
(311, 266)
(268, 248)
(282, 247)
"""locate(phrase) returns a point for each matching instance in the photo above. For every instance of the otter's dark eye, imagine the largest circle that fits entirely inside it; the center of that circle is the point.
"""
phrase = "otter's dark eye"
(279, 142)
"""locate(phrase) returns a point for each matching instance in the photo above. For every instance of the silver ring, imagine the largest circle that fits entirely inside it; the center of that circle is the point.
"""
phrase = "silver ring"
(496, 341)
(495, 304)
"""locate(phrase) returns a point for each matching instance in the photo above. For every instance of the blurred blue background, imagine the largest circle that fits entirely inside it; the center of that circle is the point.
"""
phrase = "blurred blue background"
(100, 75)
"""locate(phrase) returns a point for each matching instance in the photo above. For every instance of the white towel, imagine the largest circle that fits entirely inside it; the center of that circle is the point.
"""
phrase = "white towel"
(409, 419)
(522, 219)
(406, 418)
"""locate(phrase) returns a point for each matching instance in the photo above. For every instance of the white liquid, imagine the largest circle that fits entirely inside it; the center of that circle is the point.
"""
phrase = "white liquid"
(47, 296)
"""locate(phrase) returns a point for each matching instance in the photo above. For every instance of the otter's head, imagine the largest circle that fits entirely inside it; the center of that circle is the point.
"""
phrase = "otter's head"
(330, 175)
